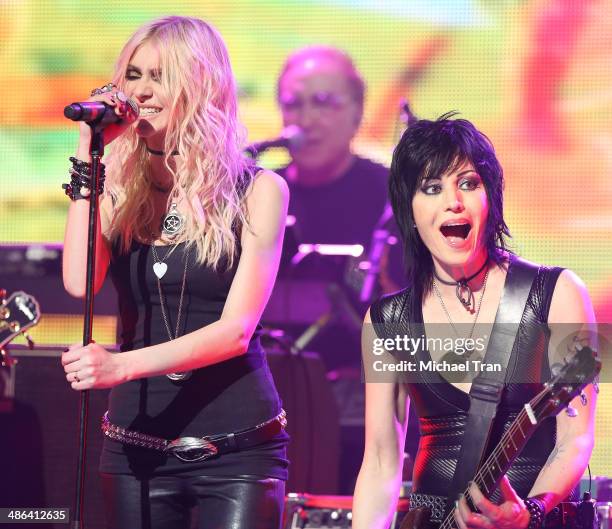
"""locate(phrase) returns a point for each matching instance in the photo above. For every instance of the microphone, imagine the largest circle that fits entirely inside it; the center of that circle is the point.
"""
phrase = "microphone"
(97, 112)
(291, 137)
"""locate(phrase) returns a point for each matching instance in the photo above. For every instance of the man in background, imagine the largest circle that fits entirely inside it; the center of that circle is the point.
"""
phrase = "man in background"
(339, 198)
(336, 195)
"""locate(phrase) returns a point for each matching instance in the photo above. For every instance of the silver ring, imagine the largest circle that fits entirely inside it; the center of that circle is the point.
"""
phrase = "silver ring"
(106, 88)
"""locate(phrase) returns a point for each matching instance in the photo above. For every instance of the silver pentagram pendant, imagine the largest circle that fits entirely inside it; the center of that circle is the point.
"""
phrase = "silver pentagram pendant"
(173, 222)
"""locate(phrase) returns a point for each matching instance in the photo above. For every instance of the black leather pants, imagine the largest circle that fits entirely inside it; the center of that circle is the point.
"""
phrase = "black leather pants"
(238, 502)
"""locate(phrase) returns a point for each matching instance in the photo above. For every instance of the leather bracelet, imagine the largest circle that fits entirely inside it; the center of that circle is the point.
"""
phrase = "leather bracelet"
(80, 177)
(81, 166)
(79, 182)
(537, 512)
(84, 168)
(74, 192)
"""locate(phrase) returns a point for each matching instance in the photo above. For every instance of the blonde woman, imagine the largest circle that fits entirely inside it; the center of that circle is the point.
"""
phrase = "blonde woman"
(191, 235)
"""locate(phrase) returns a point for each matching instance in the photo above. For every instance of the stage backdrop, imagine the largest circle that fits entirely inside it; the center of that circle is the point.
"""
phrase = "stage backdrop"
(534, 75)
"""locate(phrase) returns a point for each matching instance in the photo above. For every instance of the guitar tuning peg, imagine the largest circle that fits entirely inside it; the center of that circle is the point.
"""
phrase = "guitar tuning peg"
(583, 398)
(571, 412)
(29, 340)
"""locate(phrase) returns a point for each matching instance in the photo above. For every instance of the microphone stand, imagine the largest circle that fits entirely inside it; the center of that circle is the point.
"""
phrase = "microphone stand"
(340, 310)
(96, 150)
(380, 237)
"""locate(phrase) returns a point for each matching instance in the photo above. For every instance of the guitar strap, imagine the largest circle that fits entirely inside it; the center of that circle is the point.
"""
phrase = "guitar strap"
(487, 388)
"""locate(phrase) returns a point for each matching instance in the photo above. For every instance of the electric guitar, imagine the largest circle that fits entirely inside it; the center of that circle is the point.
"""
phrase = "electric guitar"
(17, 314)
(580, 371)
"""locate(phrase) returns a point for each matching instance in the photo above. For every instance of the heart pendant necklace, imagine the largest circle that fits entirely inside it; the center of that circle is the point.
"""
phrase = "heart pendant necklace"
(159, 266)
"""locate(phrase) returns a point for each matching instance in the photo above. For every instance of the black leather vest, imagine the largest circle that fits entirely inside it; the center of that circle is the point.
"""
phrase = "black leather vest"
(442, 408)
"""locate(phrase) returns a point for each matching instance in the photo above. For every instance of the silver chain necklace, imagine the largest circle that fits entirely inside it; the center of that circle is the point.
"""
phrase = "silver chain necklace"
(448, 316)
(462, 287)
(159, 266)
(186, 374)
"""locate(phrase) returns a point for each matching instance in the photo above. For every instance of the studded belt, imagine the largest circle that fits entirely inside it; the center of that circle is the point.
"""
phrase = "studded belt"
(437, 504)
(190, 449)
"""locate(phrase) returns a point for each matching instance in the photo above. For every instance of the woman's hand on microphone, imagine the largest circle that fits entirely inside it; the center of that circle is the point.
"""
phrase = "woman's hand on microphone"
(118, 100)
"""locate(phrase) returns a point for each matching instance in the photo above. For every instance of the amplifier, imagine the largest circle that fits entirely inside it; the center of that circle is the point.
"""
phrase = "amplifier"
(307, 511)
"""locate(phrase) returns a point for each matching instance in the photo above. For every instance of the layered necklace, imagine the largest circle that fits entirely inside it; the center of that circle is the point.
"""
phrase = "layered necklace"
(462, 286)
(172, 224)
(161, 265)
(453, 356)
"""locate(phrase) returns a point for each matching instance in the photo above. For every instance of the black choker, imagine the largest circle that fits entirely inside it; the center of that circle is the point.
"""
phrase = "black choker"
(462, 288)
(160, 153)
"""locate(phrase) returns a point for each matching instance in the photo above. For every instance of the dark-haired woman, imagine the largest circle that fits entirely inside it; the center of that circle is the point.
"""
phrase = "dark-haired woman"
(446, 189)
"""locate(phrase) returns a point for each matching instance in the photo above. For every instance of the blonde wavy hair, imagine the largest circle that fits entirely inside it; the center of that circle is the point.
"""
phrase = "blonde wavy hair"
(211, 174)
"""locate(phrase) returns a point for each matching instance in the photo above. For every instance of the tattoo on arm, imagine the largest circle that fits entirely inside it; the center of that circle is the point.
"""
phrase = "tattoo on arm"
(556, 451)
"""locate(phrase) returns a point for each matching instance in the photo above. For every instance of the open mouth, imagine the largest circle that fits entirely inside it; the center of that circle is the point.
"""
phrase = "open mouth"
(458, 230)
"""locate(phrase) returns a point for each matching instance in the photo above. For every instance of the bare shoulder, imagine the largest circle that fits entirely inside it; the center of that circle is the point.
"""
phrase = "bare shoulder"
(267, 201)
(267, 185)
(570, 302)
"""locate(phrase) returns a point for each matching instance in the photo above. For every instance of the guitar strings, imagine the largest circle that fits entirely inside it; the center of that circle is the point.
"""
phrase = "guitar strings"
(449, 520)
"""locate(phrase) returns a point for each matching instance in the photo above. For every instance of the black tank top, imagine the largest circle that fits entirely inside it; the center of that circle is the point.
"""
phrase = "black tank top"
(226, 397)
(442, 408)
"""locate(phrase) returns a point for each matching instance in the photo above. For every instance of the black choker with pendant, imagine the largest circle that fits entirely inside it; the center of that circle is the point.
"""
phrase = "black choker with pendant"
(462, 287)
(160, 153)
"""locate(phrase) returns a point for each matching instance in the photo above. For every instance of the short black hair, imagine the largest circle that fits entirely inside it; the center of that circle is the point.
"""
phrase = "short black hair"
(432, 148)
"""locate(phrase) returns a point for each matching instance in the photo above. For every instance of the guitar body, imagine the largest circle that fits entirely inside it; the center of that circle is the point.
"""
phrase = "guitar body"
(17, 314)
(418, 518)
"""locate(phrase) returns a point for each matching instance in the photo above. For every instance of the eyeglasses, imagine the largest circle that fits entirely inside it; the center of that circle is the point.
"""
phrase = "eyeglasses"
(322, 102)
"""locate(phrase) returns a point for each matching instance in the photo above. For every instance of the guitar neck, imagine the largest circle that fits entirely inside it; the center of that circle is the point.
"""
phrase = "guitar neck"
(490, 473)
(514, 439)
